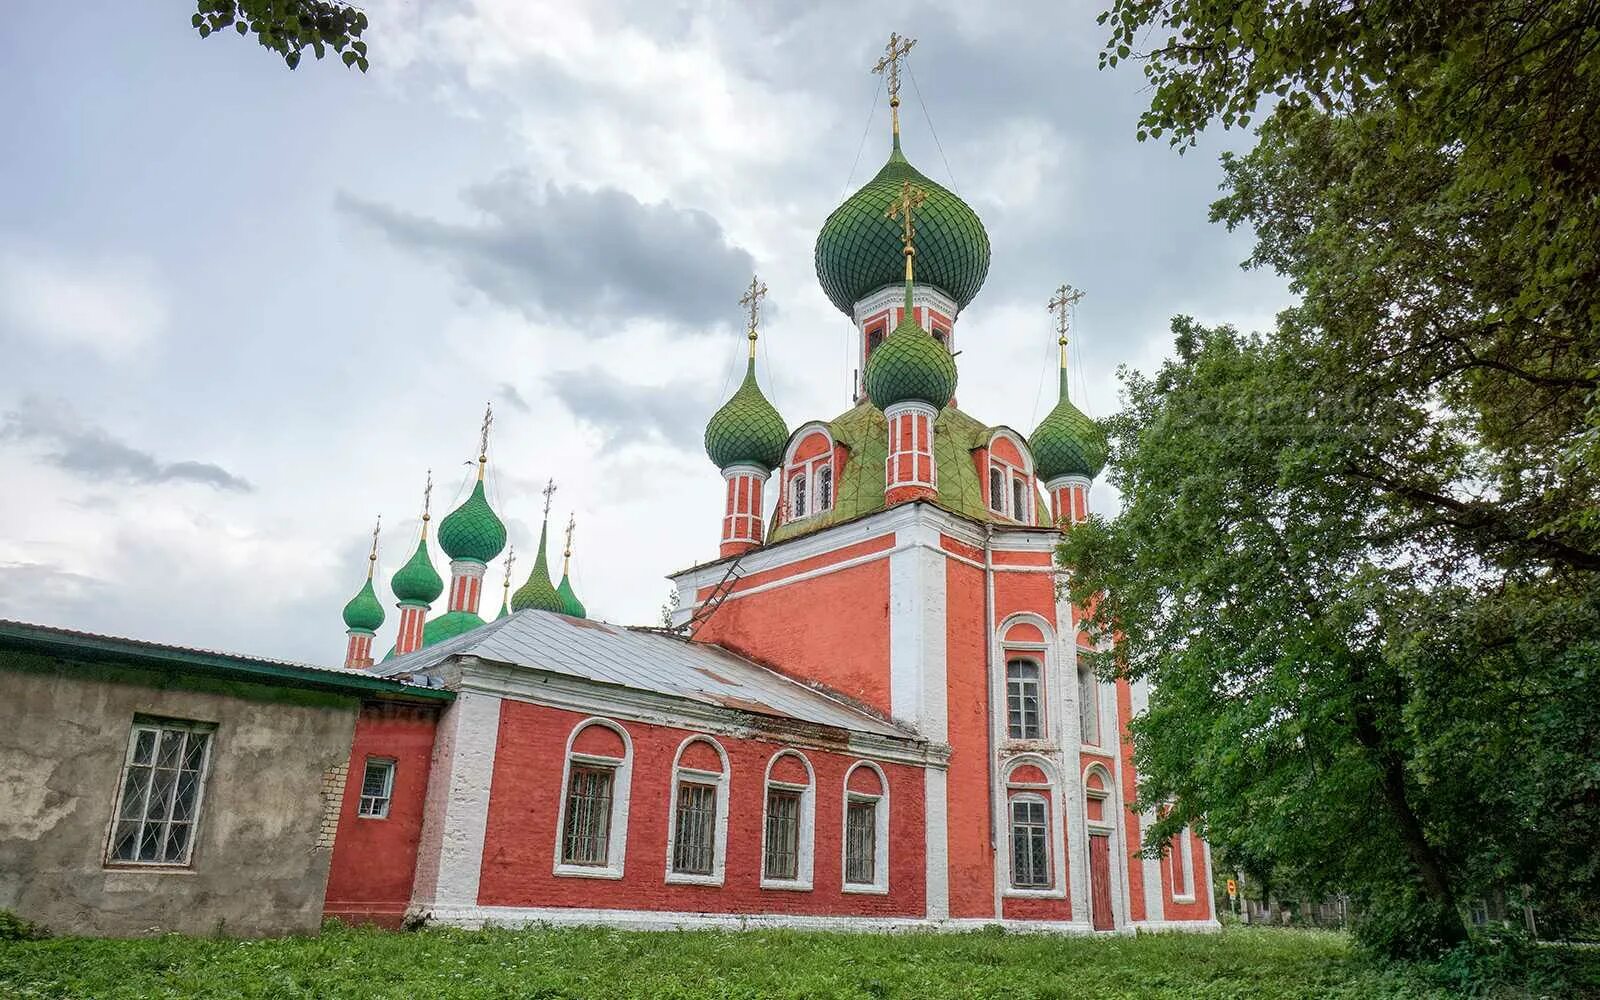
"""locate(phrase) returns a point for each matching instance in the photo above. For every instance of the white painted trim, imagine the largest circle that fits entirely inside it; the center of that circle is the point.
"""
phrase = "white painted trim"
(621, 784)
(936, 842)
(1055, 816)
(806, 843)
(456, 807)
(719, 847)
(880, 861)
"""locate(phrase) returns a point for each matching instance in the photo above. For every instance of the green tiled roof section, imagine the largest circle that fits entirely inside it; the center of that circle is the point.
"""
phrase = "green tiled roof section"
(417, 580)
(472, 531)
(569, 599)
(865, 432)
(449, 625)
(747, 429)
(1067, 442)
(538, 592)
(859, 250)
(909, 365)
(364, 611)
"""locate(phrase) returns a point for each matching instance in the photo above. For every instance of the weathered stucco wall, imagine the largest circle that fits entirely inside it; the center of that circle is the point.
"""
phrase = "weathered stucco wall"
(260, 859)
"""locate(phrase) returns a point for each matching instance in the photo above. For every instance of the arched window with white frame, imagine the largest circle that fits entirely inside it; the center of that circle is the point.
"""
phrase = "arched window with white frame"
(865, 845)
(809, 472)
(1011, 490)
(1024, 698)
(697, 837)
(788, 822)
(592, 819)
(1035, 846)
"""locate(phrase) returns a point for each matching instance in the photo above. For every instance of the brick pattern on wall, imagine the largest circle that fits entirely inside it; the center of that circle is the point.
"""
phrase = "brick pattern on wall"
(333, 782)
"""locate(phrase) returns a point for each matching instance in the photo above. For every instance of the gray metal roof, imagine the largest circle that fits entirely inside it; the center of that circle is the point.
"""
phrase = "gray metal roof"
(646, 660)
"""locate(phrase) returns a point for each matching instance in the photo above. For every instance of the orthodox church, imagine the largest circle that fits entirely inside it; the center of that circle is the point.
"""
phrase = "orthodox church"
(869, 710)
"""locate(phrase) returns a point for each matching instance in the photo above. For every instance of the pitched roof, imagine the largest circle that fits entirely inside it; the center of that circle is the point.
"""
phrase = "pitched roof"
(70, 645)
(648, 660)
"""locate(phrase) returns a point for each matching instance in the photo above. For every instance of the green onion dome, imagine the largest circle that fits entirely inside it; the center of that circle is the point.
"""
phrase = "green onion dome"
(449, 625)
(538, 592)
(364, 612)
(1067, 442)
(417, 582)
(569, 599)
(858, 249)
(747, 430)
(910, 365)
(472, 531)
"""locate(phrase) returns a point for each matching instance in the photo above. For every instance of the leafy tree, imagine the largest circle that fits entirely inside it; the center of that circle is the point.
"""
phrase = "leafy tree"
(288, 27)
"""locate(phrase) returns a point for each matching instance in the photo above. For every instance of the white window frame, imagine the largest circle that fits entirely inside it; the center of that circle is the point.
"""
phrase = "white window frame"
(1009, 475)
(388, 788)
(1093, 697)
(880, 862)
(805, 472)
(1043, 713)
(1043, 802)
(621, 783)
(806, 842)
(719, 780)
(158, 726)
(1185, 866)
(1049, 791)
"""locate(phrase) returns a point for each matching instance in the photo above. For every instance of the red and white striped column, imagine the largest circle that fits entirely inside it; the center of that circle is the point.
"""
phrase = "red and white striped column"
(1069, 499)
(412, 617)
(358, 653)
(910, 473)
(466, 584)
(742, 527)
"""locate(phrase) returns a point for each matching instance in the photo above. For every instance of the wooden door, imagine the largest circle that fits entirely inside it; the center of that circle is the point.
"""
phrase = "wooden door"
(1100, 882)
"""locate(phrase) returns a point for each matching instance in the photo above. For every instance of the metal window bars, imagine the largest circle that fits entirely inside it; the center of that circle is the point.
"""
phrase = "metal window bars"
(1030, 851)
(782, 855)
(861, 842)
(694, 837)
(159, 803)
(586, 837)
(377, 787)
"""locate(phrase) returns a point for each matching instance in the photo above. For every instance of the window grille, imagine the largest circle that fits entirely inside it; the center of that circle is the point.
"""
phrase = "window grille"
(797, 489)
(997, 489)
(861, 842)
(159, 804)
(1030, 851)
(377, 786)
(694, 840)
(1019, 509)
(586, 840)
(824, 488)
(1024, 721)
(782, 835)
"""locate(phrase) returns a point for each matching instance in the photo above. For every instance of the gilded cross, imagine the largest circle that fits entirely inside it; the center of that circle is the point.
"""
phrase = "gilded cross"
(889, 66)
(372, 556)
(511, 557)
(902, 209)
(572, 524)
(483, 435)
(427, 499)
(549, 491)
(1065, 298)
(751, 300)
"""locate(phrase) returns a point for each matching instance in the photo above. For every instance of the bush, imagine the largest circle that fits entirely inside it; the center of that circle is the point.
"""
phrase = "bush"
(14, 928)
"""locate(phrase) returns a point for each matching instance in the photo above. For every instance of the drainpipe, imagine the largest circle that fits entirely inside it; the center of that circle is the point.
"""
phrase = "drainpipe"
(989, 678)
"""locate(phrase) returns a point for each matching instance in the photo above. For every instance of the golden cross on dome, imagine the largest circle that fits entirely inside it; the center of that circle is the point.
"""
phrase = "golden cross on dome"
(511, 557)
(549, 491)
(889, 66)
(751, 300)
(572, 524)
(1065, 298)
(902, 209)
(372, 556)
(483, 437)
(427, 502)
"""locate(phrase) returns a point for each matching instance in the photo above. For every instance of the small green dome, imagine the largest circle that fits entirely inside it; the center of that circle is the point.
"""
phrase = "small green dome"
(1067, 442)
(747, 430)
(910, 365)
(417, 581)
(364, 611)
(472, 531)
(569, 599)
(858, 249)
(538, 592)
(449, 625)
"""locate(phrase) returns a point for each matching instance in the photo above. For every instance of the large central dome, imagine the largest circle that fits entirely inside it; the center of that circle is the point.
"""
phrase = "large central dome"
(859, 249)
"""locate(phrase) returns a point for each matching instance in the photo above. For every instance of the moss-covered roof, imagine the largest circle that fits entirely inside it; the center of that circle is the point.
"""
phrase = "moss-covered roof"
(472, 530)
(865, 433)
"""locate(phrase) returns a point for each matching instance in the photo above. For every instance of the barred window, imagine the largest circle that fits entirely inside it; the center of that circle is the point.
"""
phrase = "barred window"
(997, 489)
(1030, 839)
(1024, 718)
(861, 842)
(824, 488)
(377, 786)
(695, 835)
(1019, 506)
(783, 835)
(797, 494)
(586, 840)
(158, 806)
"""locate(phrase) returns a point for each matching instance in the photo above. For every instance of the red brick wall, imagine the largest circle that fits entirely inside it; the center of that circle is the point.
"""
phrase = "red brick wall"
(519, 847)
(369, 878)
(971, 860)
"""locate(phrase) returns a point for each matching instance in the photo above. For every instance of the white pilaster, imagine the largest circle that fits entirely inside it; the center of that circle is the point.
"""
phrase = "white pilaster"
(1072, 761)
(456, 810)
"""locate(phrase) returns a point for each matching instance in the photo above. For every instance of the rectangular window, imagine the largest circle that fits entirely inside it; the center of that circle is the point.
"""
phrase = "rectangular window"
(1089, 706)
(159, 805)
(997, 490)
(824, 488)
(1019, 490)
(1024, 720)
(1030, 840)
(694, 837)
(861, 842)
(377, 785)
(782, 835)
(586, 840)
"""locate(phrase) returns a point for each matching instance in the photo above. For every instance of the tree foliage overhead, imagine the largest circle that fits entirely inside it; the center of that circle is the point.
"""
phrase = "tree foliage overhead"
(289, 27)
(1360, 554)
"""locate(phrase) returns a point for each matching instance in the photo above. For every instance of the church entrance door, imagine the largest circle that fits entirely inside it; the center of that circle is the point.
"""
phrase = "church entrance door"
(1100, 882)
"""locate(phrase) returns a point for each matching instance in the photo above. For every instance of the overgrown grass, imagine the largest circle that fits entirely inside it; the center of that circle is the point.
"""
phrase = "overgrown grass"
(1253, 963)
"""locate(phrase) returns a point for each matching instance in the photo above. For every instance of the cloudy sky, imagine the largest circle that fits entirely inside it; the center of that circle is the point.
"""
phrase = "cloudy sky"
(243, 309)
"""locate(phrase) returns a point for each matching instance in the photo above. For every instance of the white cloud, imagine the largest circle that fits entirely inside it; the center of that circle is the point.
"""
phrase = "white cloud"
(111, 306)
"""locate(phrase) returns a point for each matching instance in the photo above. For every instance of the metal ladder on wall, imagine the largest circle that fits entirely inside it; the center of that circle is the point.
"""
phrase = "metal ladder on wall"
(714, 600)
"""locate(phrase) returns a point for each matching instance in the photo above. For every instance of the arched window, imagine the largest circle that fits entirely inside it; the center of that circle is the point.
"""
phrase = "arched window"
(824, 488)
(797, 496)
(1024, 699)
(788, 823)
(1019, 505)
(697, 840)
(866, 829)
(808, 464)
(1035, 845)
(1010, 477)
(997, 489)
(592, 826)
(1089, 705)
(1030, 842)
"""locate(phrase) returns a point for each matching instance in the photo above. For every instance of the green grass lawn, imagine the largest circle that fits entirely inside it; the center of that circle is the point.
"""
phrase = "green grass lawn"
(1252, 963)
